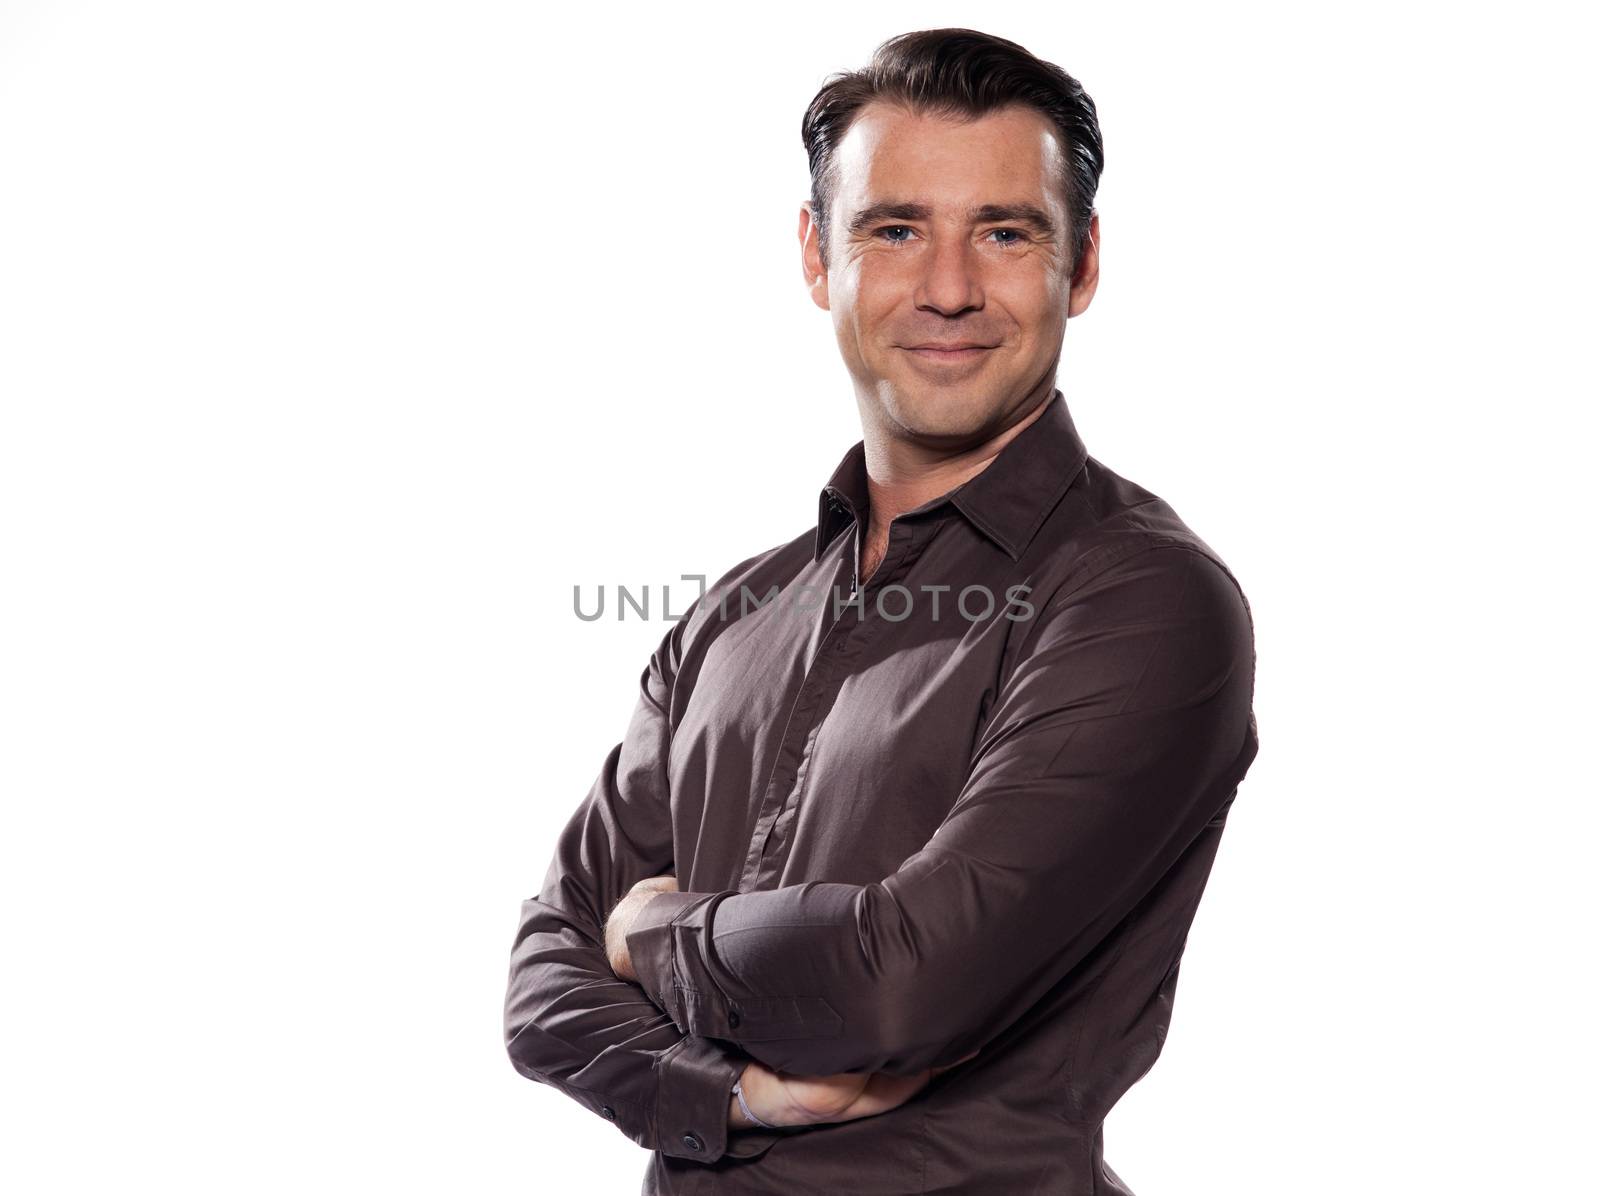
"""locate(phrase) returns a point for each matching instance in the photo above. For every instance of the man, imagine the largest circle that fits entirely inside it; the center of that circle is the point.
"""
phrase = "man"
(912, 866)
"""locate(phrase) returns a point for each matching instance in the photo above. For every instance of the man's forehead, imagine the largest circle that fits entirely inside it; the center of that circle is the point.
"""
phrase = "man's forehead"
(893, 155)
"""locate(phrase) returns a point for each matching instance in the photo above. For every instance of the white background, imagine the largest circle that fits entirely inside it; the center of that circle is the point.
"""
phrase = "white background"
(339, 340)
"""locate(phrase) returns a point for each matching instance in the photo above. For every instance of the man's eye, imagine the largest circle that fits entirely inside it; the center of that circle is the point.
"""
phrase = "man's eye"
(1012, 233)
(888, 233)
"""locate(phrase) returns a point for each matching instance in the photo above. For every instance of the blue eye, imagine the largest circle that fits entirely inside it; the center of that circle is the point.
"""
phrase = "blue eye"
(895, 228)
(1009, 232)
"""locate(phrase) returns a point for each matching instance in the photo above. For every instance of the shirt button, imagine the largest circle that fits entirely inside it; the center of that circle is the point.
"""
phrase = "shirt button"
(608, 1112)
(733, 1018)
(692, 1142)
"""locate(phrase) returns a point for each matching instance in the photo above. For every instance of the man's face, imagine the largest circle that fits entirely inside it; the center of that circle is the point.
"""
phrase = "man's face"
(948, 277)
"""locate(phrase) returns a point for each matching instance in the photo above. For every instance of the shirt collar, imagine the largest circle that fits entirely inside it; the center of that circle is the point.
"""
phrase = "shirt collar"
(1006, 501)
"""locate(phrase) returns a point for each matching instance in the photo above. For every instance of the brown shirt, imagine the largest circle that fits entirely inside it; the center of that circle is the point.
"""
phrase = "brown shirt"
(972, 806)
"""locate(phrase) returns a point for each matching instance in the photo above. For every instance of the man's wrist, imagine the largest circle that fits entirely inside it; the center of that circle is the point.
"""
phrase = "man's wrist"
(747, 1139)
(747, 1114)
(736, 1115)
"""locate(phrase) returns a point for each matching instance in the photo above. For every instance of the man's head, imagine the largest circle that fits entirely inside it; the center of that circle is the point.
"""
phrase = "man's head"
(952, 204)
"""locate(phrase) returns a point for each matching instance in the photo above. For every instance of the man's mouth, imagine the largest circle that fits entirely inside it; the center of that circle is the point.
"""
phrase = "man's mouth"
(957, 351)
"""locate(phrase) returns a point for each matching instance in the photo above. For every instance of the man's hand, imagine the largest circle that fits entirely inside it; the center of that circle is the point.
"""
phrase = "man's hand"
(622, 918)
(785, 1100)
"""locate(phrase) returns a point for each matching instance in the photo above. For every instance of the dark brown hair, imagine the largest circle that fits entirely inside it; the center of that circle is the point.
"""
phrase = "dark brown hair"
(957, 72)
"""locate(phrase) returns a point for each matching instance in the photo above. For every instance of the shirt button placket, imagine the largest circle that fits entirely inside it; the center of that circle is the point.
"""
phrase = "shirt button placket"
(764, 859)
(792, 752)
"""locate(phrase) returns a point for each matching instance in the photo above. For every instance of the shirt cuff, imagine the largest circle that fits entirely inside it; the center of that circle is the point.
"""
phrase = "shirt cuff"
(693, 1094)
(652, 950)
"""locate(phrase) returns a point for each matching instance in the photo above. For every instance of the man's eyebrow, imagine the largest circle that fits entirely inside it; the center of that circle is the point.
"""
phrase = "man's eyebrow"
(888, 210)
(1014, 213)
(1029, 214)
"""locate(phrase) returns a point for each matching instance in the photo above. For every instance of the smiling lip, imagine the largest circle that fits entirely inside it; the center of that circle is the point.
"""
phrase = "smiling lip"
(955, 352)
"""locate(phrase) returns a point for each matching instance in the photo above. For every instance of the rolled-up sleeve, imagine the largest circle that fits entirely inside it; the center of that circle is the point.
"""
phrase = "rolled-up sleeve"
(570, 1022)
(1122, 729)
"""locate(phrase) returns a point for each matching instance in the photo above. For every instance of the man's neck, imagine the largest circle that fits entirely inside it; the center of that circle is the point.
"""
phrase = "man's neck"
(903, 474)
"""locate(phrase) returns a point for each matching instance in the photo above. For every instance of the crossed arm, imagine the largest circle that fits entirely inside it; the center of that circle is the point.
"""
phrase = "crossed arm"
(1122, 731)
(1123, 728)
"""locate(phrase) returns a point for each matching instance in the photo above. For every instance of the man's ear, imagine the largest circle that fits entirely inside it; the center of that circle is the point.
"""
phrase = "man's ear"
(811, 263)
(1086, 272)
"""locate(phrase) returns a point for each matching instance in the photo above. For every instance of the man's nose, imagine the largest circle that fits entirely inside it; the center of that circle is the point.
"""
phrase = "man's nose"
(950, 281)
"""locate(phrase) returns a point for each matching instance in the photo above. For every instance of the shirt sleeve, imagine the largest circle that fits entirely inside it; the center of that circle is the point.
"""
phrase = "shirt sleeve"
(570, 1022)
(1125, 726)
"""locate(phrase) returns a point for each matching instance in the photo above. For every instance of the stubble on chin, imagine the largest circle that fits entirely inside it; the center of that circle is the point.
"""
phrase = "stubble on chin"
(938, 415)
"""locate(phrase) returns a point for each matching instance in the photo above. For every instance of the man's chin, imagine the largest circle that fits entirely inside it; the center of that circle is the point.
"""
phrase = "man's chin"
(942, 411)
